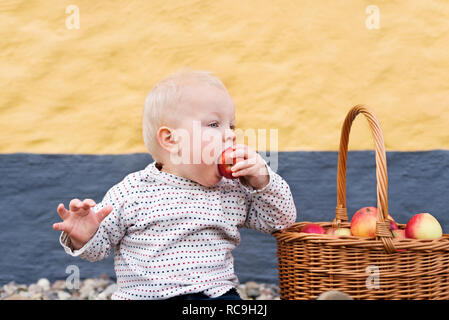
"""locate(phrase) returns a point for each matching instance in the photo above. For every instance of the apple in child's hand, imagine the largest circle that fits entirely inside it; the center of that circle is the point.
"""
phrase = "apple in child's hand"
(312, 228)
(225, 163)
(423, 226)
(338, 231)
(363, 223)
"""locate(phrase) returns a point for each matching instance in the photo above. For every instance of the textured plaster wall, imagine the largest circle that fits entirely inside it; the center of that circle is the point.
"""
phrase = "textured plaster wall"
(295, 66)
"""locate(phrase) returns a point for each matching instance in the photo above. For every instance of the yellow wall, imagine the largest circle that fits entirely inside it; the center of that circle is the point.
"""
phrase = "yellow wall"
(295, 66)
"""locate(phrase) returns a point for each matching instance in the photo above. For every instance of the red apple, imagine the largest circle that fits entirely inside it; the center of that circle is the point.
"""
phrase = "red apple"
(312, 228)
(423, 226)
(338, 231)
(225, 163)
(363, 223)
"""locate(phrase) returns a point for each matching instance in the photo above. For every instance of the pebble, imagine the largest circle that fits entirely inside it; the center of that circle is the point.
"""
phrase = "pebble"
(34, 288)
(44, 284)
(108, 292)
(59, 285)
(103, 287)
(10, 288)
(63, 295)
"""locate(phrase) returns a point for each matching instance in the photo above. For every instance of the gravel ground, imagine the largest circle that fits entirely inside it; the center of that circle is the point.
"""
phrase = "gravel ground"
(103, 287)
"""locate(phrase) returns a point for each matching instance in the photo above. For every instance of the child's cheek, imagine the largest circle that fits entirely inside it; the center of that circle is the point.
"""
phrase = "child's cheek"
(211, 146)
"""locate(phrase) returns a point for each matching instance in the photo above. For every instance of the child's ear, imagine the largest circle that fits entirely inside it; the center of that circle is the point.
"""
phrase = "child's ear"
(167, 139)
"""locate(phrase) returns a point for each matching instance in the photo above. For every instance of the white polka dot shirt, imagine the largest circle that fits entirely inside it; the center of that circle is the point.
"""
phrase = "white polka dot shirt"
(173, 236)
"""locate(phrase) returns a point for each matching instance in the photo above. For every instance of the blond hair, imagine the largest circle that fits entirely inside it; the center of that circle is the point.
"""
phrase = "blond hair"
(165, 94)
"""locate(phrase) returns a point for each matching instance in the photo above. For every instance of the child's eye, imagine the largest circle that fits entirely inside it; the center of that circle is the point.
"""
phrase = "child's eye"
(232, 127)
(213, 125)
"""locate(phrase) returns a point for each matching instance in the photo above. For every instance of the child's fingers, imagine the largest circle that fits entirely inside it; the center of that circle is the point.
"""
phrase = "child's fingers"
(242, 165)
(60, 226)
(244, 152)
(244, 172)
(62, 211)
(240, 151)
(88, 203)
(103, 213)
(75, 204)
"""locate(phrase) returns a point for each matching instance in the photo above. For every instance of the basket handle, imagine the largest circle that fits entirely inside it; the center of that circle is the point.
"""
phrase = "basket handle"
(383, 224)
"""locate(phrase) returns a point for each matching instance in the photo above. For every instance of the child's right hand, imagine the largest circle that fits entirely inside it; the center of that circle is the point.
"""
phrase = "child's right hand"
(80, 222)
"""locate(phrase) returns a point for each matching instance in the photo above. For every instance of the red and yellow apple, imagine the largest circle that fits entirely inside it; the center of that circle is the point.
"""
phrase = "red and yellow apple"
(338, 231)
(423, 226)
(225, 163)
(312, 228)
(363, 223)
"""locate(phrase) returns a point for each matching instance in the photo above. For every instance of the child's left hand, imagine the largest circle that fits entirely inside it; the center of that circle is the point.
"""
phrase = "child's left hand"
(251, 168)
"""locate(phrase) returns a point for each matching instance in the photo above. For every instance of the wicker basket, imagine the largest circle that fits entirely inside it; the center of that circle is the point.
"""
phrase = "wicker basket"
(365, 268)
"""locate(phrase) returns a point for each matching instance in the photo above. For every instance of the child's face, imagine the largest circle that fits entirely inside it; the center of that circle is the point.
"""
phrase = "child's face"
(206, 119)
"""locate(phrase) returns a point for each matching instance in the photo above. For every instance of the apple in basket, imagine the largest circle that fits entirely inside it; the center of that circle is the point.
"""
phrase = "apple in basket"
(393, 225)
(423, 226)
(399, 234)
(338, 231)
(312, 228)
(363, 223)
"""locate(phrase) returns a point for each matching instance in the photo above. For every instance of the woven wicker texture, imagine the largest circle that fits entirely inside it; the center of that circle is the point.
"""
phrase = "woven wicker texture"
(365, 268)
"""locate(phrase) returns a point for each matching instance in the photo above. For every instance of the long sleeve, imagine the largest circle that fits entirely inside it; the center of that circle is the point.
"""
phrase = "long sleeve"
(271, 208)
(109, 233)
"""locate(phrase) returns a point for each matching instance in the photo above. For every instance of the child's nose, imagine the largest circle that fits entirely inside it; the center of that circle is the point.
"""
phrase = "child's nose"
(229, 136)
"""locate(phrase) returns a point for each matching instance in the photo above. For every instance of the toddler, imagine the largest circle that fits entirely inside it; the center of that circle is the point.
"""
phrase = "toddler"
(174, 224)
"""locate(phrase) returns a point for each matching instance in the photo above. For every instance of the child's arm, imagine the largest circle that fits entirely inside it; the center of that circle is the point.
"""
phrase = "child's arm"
(90, 233)
(272, 206)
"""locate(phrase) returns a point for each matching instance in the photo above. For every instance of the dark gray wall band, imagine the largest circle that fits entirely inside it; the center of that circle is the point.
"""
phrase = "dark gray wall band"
(32, 185)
